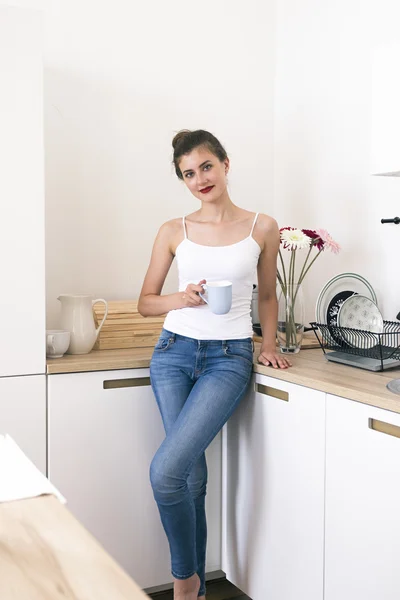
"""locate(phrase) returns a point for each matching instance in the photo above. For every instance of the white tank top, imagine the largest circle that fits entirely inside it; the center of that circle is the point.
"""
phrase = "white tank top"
(237, 263)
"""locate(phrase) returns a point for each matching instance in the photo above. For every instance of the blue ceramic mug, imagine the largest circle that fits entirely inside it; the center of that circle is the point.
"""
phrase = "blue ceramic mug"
(219, 296)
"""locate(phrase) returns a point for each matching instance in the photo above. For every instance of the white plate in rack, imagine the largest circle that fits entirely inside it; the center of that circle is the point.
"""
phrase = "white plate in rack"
(360, 312)
(340, 286)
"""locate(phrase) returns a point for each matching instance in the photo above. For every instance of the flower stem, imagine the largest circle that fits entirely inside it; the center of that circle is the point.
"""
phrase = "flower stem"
(309, 266)
(305, 262)
(283, 270)
(294, 267)
(306, 271)
(289, 301)
(290, 282)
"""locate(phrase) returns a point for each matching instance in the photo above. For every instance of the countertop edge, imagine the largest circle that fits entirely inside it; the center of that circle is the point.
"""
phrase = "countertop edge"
(69, 368)
(391, 403)
(310, 369)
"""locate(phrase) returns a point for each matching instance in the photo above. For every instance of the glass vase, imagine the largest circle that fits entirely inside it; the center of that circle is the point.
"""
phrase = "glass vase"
(291, 316)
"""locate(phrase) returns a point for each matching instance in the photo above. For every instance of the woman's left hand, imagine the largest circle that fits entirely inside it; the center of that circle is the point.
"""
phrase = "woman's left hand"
(274, 359)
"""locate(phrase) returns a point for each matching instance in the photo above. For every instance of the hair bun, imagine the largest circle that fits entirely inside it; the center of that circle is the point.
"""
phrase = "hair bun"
(180, 136)
(185, 141)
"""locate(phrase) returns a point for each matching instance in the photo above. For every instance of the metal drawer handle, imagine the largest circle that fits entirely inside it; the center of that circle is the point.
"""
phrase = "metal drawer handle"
(270, 391)
(110, 384)
(383, 427)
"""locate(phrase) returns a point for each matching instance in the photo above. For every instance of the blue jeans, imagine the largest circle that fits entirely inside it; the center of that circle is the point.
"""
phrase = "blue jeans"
(197, 385)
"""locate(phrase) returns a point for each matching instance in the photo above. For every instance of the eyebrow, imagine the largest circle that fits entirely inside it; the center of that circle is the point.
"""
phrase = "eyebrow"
(202, 165)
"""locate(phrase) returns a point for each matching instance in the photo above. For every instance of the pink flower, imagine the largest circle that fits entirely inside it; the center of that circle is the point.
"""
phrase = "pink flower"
(316, 239)
(329, 242)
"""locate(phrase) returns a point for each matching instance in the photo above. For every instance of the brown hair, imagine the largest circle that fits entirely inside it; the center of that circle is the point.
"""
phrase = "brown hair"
(185, 141)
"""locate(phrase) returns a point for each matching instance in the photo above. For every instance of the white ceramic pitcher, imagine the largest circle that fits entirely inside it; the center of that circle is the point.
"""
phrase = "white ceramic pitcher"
(77, 317)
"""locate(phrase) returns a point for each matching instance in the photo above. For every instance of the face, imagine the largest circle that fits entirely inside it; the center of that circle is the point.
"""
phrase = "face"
(204, 174)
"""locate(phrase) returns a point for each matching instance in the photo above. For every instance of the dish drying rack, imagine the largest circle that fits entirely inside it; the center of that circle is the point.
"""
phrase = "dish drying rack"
(359, 348)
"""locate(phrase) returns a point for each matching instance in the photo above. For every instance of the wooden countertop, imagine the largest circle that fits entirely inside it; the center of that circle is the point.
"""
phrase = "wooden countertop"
(100, 360)
(310, 369)
(46, 554)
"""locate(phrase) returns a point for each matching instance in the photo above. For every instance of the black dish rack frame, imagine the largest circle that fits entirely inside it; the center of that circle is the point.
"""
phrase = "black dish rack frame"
(381, 346)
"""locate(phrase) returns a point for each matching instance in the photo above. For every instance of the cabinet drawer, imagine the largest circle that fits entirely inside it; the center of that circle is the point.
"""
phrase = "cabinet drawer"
(362, 533)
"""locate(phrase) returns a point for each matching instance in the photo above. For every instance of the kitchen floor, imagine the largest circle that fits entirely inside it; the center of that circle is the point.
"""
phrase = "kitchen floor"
(217, 589)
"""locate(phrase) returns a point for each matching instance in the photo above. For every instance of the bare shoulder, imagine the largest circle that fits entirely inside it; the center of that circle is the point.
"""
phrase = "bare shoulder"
(171, 227)
(267, 224)
(171, 233)
(266, 231)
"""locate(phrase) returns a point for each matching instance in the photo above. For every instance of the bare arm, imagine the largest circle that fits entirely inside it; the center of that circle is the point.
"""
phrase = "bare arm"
(151, 302)
(267, 301)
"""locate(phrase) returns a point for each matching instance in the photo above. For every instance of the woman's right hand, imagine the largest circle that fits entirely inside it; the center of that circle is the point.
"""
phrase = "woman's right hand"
(190, 297)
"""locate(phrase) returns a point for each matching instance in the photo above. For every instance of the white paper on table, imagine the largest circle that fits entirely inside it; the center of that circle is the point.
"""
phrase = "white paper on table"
(19, 478)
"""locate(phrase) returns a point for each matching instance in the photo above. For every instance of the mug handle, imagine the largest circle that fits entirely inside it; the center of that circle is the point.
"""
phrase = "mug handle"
(204, 286)
(105, 314)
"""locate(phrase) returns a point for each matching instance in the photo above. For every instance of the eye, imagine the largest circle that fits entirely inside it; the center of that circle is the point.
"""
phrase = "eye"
(189, 174)
(207, 166)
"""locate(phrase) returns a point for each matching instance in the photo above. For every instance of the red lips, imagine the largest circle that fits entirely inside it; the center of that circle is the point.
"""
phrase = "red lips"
(207, 189)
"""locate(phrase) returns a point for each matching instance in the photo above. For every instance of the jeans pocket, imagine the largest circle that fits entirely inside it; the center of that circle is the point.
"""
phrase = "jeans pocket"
(243, 350)
(164, 342)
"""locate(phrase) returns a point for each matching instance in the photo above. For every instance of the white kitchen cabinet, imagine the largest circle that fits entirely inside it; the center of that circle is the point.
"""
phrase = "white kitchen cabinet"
(22, 298)
(23, 415)
(362, 537)
(273, 492)
(103, 430)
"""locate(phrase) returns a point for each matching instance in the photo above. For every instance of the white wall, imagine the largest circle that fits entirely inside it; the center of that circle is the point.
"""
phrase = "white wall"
(120, 79)
(323, 146)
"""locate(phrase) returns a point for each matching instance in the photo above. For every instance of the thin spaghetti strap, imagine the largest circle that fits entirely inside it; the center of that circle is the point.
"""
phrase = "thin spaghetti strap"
(254, 222)
(184, 227)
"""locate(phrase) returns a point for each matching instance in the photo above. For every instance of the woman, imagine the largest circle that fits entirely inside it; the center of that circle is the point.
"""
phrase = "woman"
(202, 363)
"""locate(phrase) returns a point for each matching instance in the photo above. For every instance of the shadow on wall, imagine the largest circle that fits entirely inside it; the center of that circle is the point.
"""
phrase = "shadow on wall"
(323, 178)
(108, 186)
